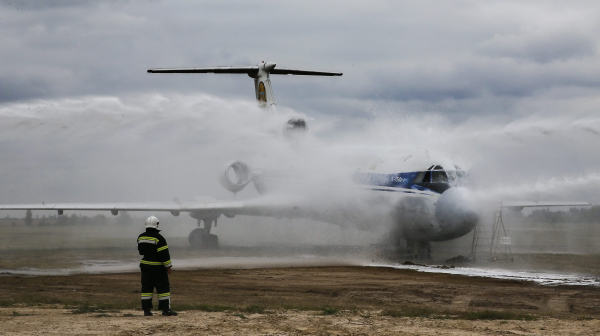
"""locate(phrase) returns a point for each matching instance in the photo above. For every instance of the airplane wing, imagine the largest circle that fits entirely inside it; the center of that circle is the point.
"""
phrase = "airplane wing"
(529, 204)
(284, 71)
(244, 70)
(254, 207)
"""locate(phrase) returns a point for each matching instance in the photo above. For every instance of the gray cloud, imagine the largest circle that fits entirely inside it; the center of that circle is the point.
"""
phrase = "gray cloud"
(541, 46)
(405, 52)
(490, 62)
(15, 88)
(37, 5)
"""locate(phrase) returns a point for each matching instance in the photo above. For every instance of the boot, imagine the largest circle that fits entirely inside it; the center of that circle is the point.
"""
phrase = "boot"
(169, 312)
(147, 313)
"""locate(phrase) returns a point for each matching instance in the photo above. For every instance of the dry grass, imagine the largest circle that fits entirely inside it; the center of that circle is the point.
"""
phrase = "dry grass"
(327, 291)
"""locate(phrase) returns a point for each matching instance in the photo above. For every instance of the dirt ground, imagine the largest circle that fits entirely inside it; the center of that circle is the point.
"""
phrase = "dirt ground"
(252, 290)
(37, 321)
(296, 301)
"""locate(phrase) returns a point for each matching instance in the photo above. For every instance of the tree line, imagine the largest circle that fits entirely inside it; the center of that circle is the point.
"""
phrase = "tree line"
(74, 219)
(573, 215)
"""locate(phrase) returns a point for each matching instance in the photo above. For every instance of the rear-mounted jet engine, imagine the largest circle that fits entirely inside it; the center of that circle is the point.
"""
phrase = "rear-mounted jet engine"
(294, 129)
(236, 176)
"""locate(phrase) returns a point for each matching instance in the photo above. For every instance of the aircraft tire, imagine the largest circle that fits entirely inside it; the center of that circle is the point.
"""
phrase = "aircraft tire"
(200, 240)
(195, 238)
(212, 241)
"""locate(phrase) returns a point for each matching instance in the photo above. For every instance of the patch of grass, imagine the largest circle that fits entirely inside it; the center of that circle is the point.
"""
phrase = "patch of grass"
(300, 308)
(409, 312)
(475, 315)
(584, 318)
(128, 315)
(102, 315)
(85, 309)
(205, 307)
(16, 313)
(361, 312)
(254, 309)
(329, 311)
(240, 315)
(31, 300)
(496, 315)
(119, 305)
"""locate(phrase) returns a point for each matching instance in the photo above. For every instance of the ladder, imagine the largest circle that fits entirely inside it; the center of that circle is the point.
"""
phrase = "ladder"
(494, 245)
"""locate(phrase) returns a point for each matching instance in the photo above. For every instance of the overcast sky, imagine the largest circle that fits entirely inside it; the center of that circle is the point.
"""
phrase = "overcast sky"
(459, 58)
(76, 100)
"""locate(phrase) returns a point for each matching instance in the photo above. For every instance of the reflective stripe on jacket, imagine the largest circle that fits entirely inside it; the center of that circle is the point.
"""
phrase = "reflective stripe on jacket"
(153, 246)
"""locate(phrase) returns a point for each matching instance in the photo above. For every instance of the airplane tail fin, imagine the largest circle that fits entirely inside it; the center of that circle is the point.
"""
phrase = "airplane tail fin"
(260, 73)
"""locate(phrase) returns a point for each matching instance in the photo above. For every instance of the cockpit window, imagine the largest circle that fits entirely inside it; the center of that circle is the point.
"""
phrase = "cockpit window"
(439, 176)
(438, 179)
(433, 174)
(420, 177)
(427, 177)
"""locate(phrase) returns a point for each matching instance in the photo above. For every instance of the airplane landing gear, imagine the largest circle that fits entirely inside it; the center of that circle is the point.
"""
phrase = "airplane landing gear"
(411, 249)
(420, 250)
(201, 238)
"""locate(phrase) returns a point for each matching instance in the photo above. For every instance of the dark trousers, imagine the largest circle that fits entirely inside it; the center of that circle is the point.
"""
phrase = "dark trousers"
(155, 277)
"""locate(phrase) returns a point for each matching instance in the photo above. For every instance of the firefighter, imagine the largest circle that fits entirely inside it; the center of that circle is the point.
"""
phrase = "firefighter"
(156, 267)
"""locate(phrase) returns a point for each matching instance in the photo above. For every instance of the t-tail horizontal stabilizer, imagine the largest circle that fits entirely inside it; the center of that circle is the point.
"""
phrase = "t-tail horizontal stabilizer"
(261, 74)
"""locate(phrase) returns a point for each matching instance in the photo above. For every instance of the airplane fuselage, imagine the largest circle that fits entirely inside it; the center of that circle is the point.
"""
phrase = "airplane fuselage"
(421, 205)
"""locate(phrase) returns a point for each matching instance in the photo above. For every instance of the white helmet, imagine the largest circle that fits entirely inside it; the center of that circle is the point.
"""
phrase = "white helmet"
(152, 222)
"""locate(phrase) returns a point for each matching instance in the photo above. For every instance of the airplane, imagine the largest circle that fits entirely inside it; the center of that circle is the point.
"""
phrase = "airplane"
(417, 197)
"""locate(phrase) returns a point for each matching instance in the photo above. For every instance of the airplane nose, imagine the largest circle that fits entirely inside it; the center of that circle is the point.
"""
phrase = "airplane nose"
(456, 212)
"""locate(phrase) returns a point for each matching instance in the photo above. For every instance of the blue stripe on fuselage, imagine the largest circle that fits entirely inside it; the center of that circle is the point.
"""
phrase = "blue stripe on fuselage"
(400, 180)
